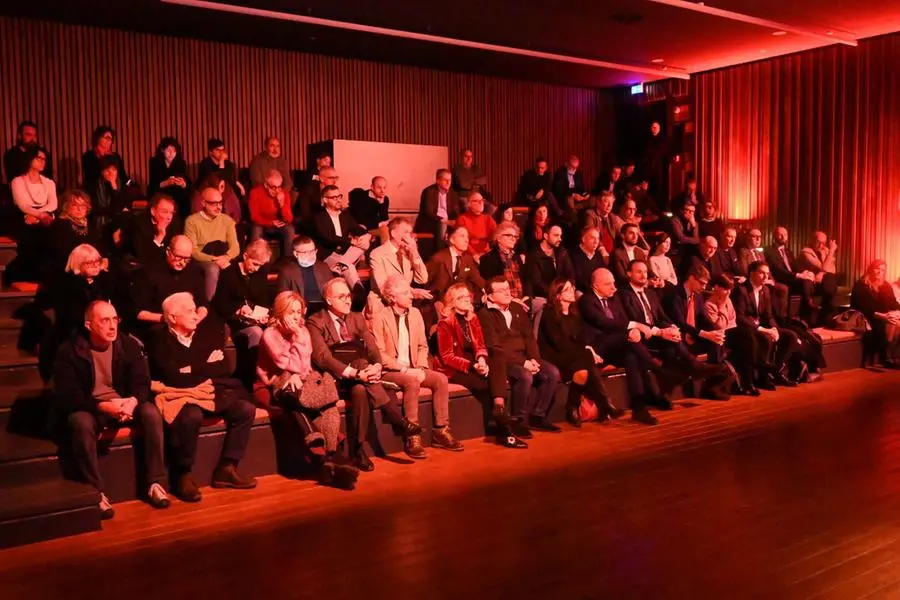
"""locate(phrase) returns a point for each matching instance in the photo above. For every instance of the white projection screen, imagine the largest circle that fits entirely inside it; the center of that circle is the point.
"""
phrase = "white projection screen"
(409, 168)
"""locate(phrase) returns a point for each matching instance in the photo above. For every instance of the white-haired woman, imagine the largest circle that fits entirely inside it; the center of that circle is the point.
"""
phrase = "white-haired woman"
(284, 369)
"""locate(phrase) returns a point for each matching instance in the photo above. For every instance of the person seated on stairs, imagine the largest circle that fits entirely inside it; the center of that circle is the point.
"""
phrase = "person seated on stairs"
(151, 232)
(286, 381)
(744, 351)
(562, 341)
(307, 275)
(214, 237)
(874, 297)
(270, 212)
(463, 357)
(187, 362)
(341, 241)
(35, 197)
(72, 228)
(453, 264)
(400, 334)
(242, 298)
(344, 347)
(819, 259)
(399, 256)
(101, 380)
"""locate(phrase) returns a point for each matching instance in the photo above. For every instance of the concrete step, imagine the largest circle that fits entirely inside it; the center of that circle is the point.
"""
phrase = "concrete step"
(11, 301)
(46, 510)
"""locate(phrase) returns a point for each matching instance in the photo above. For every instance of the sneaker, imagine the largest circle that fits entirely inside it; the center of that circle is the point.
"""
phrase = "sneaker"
(228, 477)
(414, 448)
(157, 496)
(443, 438)
(106, 509)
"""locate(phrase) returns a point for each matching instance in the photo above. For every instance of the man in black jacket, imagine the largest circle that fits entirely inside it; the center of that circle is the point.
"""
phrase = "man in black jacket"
(15, 160)
(544, 264)
(307, 275)
(217, 162)
(438, 204)
(242, 294)
(184, 355)
(101, 380)
(340, 239)
(370, 207)
(587, 257)
(536, 187)
(148, 234)
(509, 336)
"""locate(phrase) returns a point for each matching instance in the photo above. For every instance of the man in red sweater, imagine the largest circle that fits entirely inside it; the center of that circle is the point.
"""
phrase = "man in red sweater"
(479, 225)
(270, 212)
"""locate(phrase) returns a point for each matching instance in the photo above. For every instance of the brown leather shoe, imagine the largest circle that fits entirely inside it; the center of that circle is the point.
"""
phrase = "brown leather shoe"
(186, 490)
(228, 477)
(443, 438)
(414, 448)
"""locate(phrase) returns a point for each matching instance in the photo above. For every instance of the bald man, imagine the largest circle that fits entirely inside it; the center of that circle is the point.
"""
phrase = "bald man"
(819, 258)
(370, 207)
(214, 237)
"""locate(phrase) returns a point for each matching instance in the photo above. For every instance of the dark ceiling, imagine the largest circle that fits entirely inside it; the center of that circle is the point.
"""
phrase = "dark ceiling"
(630, 33)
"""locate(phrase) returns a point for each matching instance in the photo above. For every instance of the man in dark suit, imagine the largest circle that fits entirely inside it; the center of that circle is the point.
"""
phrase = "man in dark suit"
(309, 199)
(341, 240)
(754, 253)
(15, 160)
(452, 264)
(370, 207)
(618, 341)
(611, 182)
(217, 162)
(727, 259)
(340, 337)
(781, 261)
(568, 187)
(704, 257)
(148, 234)
(687, 308)
(307, 275)
(626, 251)
(753, 308)
(438, 204)
(536, 187)
(587, 257)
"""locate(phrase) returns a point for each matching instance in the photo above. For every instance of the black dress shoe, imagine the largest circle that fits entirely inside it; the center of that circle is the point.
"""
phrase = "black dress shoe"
(511, 441)
(362, 461)
(783, 380)
(660, 403)
(542, 424)
(573, 416)
(520, 430)
(410, 429)
(612, 411)
(338, 474)
(643, 416)
(765, 383)
(751, 391)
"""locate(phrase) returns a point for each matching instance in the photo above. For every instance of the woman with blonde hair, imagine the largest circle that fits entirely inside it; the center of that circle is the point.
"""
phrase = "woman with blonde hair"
(463, 358)
(287, 382)
(72, 228)
(874, 297)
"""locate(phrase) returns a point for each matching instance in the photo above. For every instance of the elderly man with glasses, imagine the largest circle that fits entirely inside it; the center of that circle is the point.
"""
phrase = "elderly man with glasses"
(270, 212)
(214, 237)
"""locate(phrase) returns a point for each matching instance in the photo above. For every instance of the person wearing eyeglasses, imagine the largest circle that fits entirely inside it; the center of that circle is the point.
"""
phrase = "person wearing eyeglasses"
(306, 275)
(214, 237)
(270, 212)
(504, 261)
(102, 380)
(159, 280)
(15, 159)
(342, 241)
(270, 159)
(242, 295)
(35, 197)
(103, 140)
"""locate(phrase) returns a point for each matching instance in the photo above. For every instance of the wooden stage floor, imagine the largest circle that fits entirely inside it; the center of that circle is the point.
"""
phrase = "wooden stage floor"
(792, 495)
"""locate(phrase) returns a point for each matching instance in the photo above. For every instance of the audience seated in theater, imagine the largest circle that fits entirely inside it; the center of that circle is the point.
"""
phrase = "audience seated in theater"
(744, 350)
(101, 380)
(611, 182)
(479, 226)
(587, 257)
(286, 381)
(467, 177)
(563, 339)
(323, 161)
(402, 341)
(399, 256)
(168, 174)
(874, 297)
(71, 229)
(463, 357)
(270, 213)
(344, 347)
(754, 253)
(618, 341)
(536, 187)
(438, 204)
(342, 242)
(753, 305)
(626, 251)
(35, 197)
(370, 207)
(192, 380)
(16, 160)
(685, 233)
(102, 140)
(112, 201)
(509, 335)
(242, 298)
(214, 237)
(607, 222)
(306, 275)
(688, 196)
(231, 204)
(819, 258)
(455, 264)
(505, 261)
(660, 263)
(629, 214)
(150, 233)
(538, 222)
(705, 256)
(309, 201)
(543, 265)
(160, 279)
(710, 224)
(780, 259)
(728, 260)
(217, 162)
(270, 159)
(569, 189)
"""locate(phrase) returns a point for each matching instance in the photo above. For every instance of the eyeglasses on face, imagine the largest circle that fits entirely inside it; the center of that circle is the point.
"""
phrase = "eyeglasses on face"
(338, 197)
(213, 203)
(178, 257)
(106, 321)
(343, 297)
(92, 263)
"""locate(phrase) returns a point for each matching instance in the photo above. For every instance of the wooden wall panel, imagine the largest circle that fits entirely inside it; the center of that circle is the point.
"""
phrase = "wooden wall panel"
(71, 78)
(809, 141)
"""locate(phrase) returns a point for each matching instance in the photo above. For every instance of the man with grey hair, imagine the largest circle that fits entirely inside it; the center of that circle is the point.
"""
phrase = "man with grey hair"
(214, 237)
(189, 355)
(242, 295)
(400, 334)
(270, 160)
(504, 261)
(101, 380)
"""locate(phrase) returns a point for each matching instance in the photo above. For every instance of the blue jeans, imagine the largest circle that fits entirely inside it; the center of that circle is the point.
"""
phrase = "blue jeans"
(532, 394)
(211, 278)
(285, 234)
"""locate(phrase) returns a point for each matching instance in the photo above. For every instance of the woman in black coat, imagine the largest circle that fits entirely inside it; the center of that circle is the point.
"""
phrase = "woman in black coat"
(102, 140)
(72, 228)
(168, 174)
(874, 297)
(560, 342)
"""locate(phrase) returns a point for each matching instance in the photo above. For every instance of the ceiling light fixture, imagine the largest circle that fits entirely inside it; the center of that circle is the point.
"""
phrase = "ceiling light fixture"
(422, 37)
(779, 33)
(657, 61)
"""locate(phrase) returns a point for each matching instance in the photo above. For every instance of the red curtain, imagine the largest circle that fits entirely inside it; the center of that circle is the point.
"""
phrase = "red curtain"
(809, 141)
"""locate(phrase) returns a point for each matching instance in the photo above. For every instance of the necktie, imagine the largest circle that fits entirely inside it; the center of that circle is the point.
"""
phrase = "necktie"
(342, 331)
(400, 254)
(648, 313)
(455, 261)
(784, 258)
(606, 311)
(691, 317)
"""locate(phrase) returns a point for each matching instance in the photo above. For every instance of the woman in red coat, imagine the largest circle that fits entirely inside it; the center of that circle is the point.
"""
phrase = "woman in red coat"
(463, 358)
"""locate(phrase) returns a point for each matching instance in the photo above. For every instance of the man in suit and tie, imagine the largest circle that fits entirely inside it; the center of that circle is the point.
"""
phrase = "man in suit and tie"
(455, 264)
(780, 292)
(615, 338)
(753, 308)
(341, 240)
(780, 259)
(399, 256)
(343, 346)
(399, 332)
(727, 258)
(438, 204)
